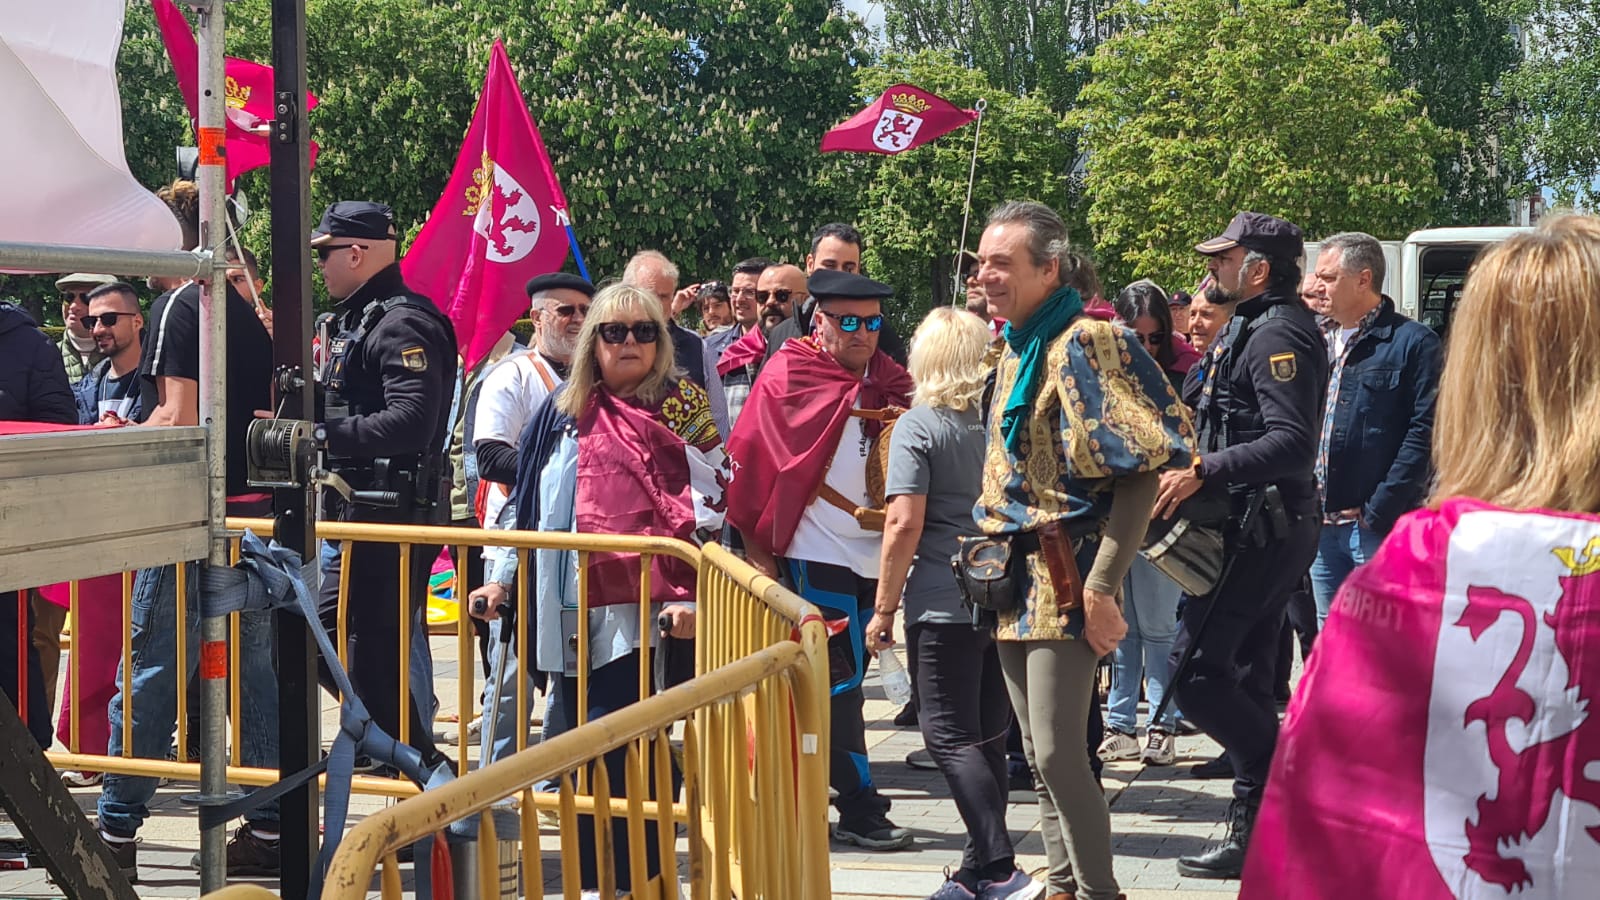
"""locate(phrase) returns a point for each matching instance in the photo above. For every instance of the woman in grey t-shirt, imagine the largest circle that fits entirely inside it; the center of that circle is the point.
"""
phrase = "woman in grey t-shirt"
(935, 472)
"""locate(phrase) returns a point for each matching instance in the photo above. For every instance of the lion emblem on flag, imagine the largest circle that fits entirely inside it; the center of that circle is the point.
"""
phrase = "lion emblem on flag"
(1512, 763)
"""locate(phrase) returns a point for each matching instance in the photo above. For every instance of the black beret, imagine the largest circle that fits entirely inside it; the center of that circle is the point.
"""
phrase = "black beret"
(1259, 232)
(833, 284)
(556, 280)
(360, 219)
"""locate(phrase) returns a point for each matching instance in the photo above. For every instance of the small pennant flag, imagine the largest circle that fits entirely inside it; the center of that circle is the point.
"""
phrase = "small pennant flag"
(903, 117)
(247, 93)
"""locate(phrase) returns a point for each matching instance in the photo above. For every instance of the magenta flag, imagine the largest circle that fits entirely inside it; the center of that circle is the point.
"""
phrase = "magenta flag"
(501, 221)
(1443, 744)
(904, 116)
(247, 94)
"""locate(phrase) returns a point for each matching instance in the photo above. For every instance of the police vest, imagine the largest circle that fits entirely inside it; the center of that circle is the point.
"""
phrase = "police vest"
(351, 391)
(1221, 419)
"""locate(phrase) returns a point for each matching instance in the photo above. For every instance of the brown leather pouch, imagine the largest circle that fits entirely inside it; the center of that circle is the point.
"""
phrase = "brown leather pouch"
(1056, 548)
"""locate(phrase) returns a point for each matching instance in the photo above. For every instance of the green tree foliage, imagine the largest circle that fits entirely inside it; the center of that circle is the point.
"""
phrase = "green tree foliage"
(1022, 46)
(1200, 108)
(690, 128)
(1554, 98)
(1454, 53)
(911, 204)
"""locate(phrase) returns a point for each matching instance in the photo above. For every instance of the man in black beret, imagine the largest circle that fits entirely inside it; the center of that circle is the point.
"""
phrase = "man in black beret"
(799, 499)
(1258, 418)
(387, 382)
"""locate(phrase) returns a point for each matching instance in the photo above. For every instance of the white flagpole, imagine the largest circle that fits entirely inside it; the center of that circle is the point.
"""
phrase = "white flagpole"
(966, 212)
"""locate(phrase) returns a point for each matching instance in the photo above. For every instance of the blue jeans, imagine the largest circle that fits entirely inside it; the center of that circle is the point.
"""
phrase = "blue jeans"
(124, 801)
(1150, 606)
(1339, 550)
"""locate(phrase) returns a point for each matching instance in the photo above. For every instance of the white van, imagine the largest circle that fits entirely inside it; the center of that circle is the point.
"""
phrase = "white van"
(1427, 269)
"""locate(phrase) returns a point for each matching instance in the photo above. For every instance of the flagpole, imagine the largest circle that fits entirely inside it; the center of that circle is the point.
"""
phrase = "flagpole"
(966, 211)
(572, 238)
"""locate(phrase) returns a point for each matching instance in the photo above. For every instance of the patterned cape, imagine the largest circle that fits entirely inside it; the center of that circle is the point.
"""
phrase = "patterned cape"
(1105, 410)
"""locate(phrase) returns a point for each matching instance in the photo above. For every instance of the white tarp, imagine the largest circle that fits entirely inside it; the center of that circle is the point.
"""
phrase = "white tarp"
(64, 177)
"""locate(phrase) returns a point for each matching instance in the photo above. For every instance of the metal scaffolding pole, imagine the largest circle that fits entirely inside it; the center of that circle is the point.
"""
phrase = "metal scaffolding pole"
(212, 182)
(299, 737)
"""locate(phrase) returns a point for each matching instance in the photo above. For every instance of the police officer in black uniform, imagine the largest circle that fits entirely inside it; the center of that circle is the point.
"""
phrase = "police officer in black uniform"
(1258, 418)
(387, 381)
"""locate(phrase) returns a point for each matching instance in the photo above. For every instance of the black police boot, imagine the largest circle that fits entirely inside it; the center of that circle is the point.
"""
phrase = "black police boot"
(1225, 860)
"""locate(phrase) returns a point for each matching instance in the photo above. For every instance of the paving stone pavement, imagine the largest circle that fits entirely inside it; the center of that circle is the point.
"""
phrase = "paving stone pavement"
(1157, 814)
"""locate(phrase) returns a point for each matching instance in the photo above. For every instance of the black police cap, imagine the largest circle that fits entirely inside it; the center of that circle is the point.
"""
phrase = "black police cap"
(1260, 232)
(359, 219)
(833, 284)
(557, 280)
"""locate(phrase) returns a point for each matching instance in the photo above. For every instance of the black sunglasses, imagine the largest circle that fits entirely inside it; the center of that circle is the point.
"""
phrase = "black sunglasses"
(109, 319)
(1154, 339)
(782, 296)
(75, 296)
(567, 310)
(617, 332)
(326, 250)
(849, 323)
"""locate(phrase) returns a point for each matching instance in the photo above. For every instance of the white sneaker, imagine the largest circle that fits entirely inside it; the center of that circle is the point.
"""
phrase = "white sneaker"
(1160, 748)
(76, 779)
(1118, 746)
(452, 736)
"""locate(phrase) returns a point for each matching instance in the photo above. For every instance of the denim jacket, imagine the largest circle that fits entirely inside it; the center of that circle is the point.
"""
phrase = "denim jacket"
(1378, 452)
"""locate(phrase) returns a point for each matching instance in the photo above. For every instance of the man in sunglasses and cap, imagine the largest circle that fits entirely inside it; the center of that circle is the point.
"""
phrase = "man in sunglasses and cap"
(387, 383)
(1258, 417)
(799, 497)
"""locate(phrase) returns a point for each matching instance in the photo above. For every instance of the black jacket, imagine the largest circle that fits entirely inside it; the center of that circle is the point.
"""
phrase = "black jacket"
(1379, 457)
(1260, 410)
(33, 380)
(395, 369)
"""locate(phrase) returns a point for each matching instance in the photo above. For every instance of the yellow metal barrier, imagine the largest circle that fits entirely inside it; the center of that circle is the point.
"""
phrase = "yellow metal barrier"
(785, 855)
(756, 739)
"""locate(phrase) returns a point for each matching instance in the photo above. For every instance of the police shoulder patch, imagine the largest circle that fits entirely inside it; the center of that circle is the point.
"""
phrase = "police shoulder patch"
(1282, 366)
(415, 359)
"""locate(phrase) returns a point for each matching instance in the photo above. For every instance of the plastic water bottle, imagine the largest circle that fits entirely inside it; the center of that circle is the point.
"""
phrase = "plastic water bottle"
(896, 680)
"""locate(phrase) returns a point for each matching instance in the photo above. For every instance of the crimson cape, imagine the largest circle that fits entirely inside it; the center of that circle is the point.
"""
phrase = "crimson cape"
(789, 430)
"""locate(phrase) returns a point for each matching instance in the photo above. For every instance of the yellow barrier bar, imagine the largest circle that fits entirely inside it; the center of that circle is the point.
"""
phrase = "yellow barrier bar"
(488, 857)
(666, 822)
(235, 693)
(583, 648)
(73, 666)
(604, 852)
(182, 619)
(647, 628)
(127, 669)
(342, 624)
(695, 797)
(392, 889)
(528, 657)
(478, 790)
(242, 892)
(466, 670)
(634, 784)
(479, 537)
(405, 645)
(570, 873)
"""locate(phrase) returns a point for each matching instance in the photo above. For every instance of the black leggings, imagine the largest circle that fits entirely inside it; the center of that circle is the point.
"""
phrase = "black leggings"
(965, 714)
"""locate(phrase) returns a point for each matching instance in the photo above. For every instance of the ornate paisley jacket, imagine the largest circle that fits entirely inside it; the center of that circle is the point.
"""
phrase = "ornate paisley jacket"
(1104, 410)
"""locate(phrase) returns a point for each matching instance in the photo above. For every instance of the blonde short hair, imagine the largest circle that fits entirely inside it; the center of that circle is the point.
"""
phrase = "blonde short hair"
(947, 359)
(609, 304)
(1518, 423)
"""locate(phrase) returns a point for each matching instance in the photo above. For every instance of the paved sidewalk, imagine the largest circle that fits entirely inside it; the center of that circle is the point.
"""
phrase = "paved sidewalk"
(1157, 815)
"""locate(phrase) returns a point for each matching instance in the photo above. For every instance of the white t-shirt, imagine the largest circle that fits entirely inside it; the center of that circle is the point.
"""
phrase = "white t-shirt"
(510, 394)
(827, 533)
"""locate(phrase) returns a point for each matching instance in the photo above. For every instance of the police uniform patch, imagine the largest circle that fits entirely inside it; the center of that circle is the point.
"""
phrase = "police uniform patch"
(415, 359)
(1282, 366)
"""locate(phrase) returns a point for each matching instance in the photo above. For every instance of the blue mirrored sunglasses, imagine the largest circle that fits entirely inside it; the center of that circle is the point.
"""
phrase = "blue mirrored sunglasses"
(849, 324)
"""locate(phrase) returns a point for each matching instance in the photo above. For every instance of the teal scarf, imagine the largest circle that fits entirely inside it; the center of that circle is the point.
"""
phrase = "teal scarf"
(1031, 342)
